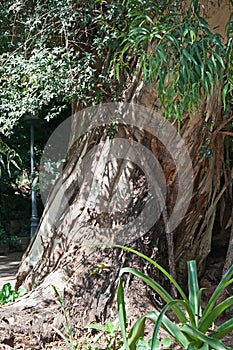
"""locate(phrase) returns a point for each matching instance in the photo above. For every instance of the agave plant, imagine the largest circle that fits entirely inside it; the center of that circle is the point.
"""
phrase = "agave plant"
(194, 329)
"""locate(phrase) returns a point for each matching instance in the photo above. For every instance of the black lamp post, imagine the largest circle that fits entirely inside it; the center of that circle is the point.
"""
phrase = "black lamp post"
(31, 119)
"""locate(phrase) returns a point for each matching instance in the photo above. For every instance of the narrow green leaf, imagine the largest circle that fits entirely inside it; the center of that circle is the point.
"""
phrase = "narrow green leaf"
(218, 310)
(161, 53)
(15, 163)
(117, 71)
(172, 280)
(224, 329)
(194, 290)
(193, 332)
(193, 36)
(198, 54)
(159, 289)
(202, 72)
(158, 324)
(184, 74)
(206, 87)
(186, 54)
(59, 298)
(161, 316)
(169, 326)
(219, 289)
(185, 32)
(173, 40)
(122, 312)
(214, 62)
(225, 91)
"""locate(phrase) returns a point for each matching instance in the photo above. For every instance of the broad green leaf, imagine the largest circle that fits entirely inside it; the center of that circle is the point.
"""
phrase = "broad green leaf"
(191, 347)
(205, 347)
(136, 332)
(98, 327)
(166, 342)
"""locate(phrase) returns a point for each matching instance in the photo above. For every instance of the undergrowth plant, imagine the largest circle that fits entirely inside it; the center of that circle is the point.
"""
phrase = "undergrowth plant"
(145, 344)
(195, 327)
(108, 336)
(8, 295)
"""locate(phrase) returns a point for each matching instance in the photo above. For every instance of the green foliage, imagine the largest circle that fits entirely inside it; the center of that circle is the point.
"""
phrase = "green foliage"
(33, 83)
(143, 344)
(50, 56)
(177, 51)
(108, 336)
(8, 158)
(60, 51)
(195, 329)
(8, 295)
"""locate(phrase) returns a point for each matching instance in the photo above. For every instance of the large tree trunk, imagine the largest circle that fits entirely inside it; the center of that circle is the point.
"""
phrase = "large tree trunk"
(58, 254)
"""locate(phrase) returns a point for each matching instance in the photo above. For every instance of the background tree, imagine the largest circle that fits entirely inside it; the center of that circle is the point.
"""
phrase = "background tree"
(160, 54)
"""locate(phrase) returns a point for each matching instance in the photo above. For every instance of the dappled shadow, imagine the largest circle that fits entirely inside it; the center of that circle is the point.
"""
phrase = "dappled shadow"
(9, 265)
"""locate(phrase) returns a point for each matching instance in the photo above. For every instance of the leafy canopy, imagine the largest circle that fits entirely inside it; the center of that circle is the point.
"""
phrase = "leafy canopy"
(54, 52)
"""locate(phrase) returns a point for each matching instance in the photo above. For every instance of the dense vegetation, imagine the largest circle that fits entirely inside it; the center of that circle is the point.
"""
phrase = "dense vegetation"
(90, 51)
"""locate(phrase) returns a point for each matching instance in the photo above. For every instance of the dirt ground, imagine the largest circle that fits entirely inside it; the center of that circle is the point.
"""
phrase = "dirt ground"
(8, 267)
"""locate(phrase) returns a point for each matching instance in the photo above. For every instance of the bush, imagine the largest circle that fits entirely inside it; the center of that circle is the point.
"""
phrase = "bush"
(195, 328)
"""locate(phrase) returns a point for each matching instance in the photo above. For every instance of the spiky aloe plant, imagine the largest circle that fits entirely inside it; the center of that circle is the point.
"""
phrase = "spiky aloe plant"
(194, 330)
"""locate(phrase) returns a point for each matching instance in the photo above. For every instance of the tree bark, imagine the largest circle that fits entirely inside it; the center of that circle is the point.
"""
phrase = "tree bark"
(58, 255)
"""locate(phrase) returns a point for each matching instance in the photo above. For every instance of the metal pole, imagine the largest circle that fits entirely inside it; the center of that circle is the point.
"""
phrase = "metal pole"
(34, 217)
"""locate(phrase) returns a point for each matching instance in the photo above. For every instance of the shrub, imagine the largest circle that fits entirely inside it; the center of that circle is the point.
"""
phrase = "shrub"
(195, 328)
